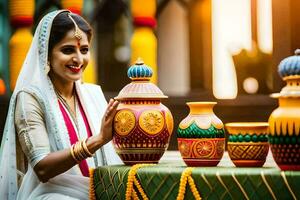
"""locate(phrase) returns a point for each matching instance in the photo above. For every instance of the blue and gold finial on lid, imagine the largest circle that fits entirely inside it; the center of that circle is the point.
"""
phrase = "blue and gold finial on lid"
(139, 71)
(140, 86)
(289, 70)
(290, 66)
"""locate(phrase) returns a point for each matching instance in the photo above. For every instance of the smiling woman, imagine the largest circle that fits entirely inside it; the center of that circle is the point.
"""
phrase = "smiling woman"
(68, 51)
(57, 120)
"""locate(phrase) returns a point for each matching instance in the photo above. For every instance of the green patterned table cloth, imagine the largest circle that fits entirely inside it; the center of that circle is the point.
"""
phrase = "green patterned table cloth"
(162, 182)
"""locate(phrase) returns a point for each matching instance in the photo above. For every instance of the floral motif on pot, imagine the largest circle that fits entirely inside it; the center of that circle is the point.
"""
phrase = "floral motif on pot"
(151, 121)
(124, 122)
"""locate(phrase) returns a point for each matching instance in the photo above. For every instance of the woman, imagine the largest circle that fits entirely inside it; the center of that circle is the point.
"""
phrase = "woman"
(54, 119)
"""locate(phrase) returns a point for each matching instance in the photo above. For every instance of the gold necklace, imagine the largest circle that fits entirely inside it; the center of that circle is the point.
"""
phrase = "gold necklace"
(68, 105)
(71, 112)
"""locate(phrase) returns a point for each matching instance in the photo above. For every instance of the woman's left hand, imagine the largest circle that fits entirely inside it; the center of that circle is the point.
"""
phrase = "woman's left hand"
(97, 141)
(107, 120)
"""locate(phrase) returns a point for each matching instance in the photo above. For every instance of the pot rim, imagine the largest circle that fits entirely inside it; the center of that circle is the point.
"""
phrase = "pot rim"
(201, 103)
(247, 124)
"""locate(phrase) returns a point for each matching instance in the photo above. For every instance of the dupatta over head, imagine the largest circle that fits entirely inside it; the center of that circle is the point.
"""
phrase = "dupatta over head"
(33, 79)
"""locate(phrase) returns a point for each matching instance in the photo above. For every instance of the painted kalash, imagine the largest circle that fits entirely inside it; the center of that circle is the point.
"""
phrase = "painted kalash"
(142, 126)
(285, 120)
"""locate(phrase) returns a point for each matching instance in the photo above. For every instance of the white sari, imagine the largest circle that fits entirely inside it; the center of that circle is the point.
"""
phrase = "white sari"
(34, 80)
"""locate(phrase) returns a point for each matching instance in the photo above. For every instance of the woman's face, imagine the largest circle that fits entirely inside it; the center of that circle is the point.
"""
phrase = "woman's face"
(69, 58)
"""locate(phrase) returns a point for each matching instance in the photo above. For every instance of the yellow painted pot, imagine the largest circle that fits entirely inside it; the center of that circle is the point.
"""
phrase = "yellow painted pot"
(284, 121)
(284, 133)
(248, 143)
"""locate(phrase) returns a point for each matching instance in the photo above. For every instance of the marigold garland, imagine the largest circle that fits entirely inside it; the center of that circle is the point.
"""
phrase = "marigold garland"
(92, 195)
(133, 181)
(2, 87)
(18, 46)
(186, 176)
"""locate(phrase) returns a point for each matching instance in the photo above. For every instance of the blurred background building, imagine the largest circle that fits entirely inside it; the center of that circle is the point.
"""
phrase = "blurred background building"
(200, 50)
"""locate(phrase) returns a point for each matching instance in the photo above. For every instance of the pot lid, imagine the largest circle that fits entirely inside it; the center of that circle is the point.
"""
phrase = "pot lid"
(140, 86)
(289, 70)
(290, 66)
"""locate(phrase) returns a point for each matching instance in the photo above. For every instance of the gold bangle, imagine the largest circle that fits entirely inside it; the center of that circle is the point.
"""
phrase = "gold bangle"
(78, 151)
(72, 153)
(85, 148)
(82, 151)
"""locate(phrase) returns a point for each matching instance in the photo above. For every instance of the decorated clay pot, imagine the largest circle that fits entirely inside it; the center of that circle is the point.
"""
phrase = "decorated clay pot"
(284, 121)
(284, 133)
(248, 143)
(200, 136)
(142, 125)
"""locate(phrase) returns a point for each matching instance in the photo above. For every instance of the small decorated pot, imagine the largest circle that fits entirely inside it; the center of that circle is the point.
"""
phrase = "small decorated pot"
(200, 136)
(142, 126)
(248, 143)
(284, 136)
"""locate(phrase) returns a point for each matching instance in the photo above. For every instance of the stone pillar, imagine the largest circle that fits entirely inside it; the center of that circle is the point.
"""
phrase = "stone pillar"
(173, 51)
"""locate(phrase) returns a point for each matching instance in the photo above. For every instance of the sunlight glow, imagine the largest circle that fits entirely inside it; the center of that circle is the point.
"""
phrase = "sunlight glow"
(231, 31)
(264, 25)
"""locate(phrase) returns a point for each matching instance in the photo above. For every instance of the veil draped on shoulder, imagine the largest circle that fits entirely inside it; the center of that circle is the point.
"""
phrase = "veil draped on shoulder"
(34, 79)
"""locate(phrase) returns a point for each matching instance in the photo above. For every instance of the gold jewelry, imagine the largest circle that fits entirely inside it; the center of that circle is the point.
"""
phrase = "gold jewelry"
(72, 153)
(77, 33)
(67, 104)
(78, 151)
(47, 68)
(85, 148)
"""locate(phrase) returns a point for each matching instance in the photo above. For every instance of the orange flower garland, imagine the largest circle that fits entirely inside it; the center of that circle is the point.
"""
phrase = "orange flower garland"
(92, 195)
(21, 17)
(132, 180)
(21, 12)
(18, 46)
(74, 6)
(144, 42)
(2, 87)
(186, 176)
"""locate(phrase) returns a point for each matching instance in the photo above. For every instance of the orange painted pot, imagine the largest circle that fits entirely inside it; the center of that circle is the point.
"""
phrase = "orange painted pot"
(200, 136)
(142, 126)
(248, 143)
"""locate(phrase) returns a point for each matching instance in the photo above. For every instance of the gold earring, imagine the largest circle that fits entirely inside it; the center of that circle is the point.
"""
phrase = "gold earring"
(47, 68)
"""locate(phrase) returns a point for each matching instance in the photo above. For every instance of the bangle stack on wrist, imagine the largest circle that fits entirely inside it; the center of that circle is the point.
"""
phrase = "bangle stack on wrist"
(79, 151)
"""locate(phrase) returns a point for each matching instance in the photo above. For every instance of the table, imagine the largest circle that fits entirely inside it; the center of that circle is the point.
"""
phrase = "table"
(223, 182)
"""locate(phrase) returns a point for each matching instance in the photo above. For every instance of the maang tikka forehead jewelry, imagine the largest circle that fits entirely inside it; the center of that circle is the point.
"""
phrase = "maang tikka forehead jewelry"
(77, 33)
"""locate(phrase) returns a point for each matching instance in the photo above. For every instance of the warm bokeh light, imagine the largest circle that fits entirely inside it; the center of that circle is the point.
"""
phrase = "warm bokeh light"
(250, 85)
(231, 29)
(264, 25)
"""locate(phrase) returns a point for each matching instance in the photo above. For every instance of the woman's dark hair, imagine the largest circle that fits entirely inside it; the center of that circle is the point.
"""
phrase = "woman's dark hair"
(63, 24)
